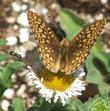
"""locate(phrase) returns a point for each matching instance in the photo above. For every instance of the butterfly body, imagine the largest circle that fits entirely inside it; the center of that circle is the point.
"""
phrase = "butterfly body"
(65, 56)
(64, 45)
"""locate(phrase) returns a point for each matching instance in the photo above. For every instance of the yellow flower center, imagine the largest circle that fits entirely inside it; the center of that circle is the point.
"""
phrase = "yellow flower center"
(55, 81)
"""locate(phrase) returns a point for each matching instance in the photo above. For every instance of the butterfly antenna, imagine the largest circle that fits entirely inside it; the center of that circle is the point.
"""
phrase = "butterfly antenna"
(56, 26)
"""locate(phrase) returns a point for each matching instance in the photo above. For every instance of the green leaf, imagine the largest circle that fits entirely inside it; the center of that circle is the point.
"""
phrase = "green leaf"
(33, 108)
(16, 65)
(97, 65)
(42, 105)
(71, 23)
(3, 57)
(99, 103)
(17, 105)
(105, 59)
(94, 75)
(5, 79)
(2, 42)
(5, 75)
(75, 105)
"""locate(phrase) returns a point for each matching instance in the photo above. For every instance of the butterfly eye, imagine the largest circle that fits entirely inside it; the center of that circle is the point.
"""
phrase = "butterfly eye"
(62, 50)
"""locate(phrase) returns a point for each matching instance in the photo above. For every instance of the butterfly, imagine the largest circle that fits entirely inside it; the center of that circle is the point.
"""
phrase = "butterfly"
(63, 55)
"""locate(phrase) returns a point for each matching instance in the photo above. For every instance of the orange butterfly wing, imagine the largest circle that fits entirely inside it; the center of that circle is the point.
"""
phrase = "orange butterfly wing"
(47, 42)
(80, 46)
(49, 45)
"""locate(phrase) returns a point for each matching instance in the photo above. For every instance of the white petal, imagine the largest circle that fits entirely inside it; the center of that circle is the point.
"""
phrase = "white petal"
(75, 89)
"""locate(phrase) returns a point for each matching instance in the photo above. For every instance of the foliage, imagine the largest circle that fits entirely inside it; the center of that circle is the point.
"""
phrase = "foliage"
(70, 23)
(17, 105)
(7, 71)
(98, 103)
(2, 42)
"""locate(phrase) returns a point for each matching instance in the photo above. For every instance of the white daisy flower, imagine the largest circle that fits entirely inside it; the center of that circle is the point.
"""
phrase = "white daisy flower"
(57, 87)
